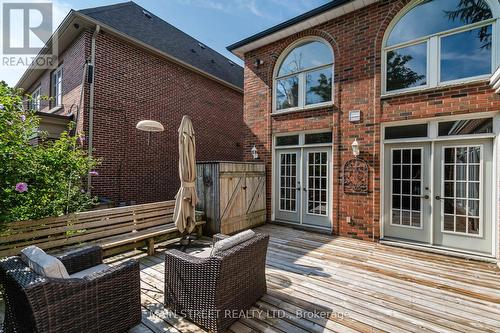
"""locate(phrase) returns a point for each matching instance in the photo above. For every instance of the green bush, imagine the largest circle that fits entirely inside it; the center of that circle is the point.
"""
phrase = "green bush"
(42, 180)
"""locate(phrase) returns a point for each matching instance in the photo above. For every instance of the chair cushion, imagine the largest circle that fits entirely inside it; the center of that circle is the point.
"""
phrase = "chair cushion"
(42, 263)
(229, 242)
(89, 271)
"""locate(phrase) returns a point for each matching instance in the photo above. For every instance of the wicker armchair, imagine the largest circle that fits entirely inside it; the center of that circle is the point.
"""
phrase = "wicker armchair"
(108, 301)
(213, 291)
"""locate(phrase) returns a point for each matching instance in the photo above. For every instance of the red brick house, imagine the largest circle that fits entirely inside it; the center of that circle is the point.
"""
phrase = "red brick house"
(409, 81)
(120, 64)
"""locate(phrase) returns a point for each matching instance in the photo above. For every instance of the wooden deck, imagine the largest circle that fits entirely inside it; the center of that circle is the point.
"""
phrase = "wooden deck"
(317, 283)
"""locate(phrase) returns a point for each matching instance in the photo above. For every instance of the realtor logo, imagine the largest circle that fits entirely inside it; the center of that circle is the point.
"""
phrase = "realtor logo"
(26, 29)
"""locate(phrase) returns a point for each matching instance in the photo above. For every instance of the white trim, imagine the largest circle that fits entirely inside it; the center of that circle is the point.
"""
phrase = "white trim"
(433, 50)
(301, 76)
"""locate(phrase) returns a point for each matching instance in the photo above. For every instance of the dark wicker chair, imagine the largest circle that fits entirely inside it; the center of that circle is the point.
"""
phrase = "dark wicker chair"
(213, 291)
(108, 301)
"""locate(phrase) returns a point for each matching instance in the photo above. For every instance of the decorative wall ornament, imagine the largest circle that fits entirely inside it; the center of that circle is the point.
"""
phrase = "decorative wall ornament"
(355, 176)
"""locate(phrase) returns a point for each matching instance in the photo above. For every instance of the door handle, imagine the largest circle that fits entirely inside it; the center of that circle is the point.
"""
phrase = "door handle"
(438, 197)
(426, 196)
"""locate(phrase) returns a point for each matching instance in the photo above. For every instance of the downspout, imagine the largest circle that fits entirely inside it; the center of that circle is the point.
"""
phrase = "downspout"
(91, 102)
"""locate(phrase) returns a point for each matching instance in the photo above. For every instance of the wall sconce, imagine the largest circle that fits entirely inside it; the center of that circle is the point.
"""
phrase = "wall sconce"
(355, 148)
(149, 126)
(258, 62)
(255, 154)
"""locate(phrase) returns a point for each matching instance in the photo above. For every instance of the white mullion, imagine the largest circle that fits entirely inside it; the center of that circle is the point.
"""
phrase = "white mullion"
(433, 65)
(302, 90)
(467, 191)
(454, 190)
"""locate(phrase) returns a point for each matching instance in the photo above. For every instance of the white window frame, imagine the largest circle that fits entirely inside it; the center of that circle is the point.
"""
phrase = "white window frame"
(301, 102)
(433, 60)
(57, 87)
(35, 99)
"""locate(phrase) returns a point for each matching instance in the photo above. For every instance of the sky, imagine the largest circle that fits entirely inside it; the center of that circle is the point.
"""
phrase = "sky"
(216, 23)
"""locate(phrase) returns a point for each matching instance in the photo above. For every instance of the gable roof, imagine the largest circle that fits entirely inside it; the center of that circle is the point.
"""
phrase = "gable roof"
(328, 11)
(136, 22)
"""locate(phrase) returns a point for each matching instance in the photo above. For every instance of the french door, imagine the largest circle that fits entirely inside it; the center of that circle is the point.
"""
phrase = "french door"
(440, 193)
(302, 186)
(463, 196)
(407, 192)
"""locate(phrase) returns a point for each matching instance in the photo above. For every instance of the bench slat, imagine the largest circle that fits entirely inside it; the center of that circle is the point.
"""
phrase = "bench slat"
(138, 219)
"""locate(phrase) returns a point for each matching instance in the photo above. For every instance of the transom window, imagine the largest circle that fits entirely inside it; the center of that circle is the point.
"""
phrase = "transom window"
(305, 77)
(439, 41)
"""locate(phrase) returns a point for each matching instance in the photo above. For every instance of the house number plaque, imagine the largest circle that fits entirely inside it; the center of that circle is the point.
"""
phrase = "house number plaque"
(355, 180)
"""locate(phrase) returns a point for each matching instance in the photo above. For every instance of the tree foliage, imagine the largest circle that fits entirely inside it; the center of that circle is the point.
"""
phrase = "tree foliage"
(39, 180)
(473, 11)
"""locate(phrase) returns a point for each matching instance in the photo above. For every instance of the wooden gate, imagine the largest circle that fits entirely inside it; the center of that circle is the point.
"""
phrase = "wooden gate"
(232, 195)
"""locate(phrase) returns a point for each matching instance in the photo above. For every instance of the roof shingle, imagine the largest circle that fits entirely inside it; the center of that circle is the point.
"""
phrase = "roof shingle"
(136, 22)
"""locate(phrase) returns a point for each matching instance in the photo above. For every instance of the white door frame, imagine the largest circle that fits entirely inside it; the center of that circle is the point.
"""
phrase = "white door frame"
(432, 137)
(302, 146)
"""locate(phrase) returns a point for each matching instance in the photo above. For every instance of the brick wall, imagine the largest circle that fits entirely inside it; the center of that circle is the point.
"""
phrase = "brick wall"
(132, 84)
(72, 61)
(356, 39)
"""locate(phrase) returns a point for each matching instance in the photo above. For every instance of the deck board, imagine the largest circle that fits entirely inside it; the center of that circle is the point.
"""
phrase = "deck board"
(357, 286)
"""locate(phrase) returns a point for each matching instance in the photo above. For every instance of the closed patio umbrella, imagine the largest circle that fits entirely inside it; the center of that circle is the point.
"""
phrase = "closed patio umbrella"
(186, 199)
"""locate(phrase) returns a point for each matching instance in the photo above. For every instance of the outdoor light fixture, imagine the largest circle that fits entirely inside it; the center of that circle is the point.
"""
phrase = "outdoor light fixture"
(255, 154)
(149, 126)
(258, 62)
(355, 148)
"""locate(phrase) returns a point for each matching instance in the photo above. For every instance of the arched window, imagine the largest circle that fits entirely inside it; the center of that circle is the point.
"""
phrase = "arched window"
(438, 42)
(304, 77)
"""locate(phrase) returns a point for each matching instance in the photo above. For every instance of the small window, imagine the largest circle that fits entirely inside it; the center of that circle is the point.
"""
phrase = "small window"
(466, 127)
(289, 140)
(34, 103)
(56, 87)
(406, 132)
(315, 138)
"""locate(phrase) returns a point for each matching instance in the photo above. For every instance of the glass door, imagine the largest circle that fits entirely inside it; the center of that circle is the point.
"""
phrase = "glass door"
(288, 186)
(316, 190)
(462, 213)
(407, 208)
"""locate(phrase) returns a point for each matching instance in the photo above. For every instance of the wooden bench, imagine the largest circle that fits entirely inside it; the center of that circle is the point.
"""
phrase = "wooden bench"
(114, 229)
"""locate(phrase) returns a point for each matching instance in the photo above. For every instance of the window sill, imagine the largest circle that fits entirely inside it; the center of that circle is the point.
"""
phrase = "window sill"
(436, 88)
(304, 109)
(55, 109)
